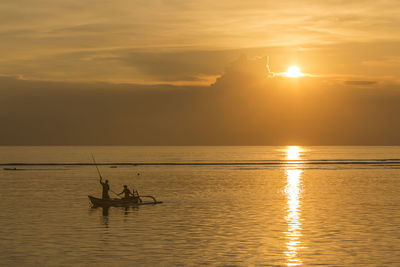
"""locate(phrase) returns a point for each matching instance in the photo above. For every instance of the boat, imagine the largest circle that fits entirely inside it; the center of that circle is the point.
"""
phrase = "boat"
(120, 202)
(12, 169)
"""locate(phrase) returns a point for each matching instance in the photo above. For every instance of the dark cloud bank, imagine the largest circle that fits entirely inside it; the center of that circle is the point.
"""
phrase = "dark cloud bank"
(243, 107)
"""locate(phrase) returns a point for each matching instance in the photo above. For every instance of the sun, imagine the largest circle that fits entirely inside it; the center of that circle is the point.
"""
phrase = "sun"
(294, 72)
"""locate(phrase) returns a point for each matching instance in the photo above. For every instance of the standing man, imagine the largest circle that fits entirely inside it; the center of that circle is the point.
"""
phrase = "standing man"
(106, 188)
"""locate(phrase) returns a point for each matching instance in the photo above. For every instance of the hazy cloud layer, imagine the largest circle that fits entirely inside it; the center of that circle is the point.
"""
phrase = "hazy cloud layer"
(357, 61)
(244, 107)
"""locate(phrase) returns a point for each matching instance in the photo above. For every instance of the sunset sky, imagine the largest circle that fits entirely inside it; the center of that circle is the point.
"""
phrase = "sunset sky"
(99, 54)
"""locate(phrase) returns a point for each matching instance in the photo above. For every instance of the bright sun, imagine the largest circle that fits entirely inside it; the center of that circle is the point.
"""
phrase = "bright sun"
(294, 72)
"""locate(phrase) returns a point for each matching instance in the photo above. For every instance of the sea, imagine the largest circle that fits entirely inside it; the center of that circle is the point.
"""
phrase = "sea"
(222, 206)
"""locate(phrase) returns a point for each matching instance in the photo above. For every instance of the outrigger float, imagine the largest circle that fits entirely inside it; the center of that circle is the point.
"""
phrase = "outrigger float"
(121, 202)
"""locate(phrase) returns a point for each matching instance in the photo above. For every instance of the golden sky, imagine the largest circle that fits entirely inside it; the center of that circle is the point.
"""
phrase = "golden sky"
(191, 42)
(188, 72)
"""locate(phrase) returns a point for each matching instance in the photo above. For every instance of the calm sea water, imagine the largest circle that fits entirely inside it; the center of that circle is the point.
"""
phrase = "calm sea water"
(223, 206)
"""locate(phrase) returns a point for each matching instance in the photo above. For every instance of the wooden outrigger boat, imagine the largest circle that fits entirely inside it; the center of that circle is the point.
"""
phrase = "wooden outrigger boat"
(120, 202)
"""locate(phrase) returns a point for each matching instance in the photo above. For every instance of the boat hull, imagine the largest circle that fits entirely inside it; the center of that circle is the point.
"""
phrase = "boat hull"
(117, 202)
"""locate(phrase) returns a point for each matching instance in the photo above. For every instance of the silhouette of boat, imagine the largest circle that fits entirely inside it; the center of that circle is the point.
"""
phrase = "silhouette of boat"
(119, 202)
(12, 169)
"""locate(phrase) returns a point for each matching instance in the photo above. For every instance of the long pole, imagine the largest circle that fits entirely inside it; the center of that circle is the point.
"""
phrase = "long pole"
(98, 171)
(95, 164)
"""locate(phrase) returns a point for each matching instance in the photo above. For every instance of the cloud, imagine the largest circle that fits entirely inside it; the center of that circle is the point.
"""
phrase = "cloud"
(178, 65)
(360, 82)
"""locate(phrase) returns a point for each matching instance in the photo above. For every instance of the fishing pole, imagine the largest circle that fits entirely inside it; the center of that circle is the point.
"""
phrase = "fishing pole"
(95, 164)
(98, 171)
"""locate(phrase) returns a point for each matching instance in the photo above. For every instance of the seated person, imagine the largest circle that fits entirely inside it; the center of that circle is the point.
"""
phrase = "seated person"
(127, 193)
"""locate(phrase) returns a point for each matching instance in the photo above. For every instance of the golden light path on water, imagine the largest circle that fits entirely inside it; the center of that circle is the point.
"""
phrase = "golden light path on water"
(293, 196)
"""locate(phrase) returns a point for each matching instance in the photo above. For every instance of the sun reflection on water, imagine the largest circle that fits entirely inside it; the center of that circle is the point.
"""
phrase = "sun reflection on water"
(293, 217)
(293, 153)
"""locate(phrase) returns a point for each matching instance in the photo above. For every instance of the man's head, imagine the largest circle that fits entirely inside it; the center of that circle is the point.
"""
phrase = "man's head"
(106, 181)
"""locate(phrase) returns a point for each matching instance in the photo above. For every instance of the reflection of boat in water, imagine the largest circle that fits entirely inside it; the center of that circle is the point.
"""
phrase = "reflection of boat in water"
(120, 202)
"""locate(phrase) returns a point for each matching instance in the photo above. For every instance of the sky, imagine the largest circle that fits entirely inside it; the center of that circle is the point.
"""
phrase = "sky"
(183, 72)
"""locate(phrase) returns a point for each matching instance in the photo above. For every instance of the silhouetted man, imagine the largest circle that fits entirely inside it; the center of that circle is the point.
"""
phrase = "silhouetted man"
(127, 192)
(106, 188)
